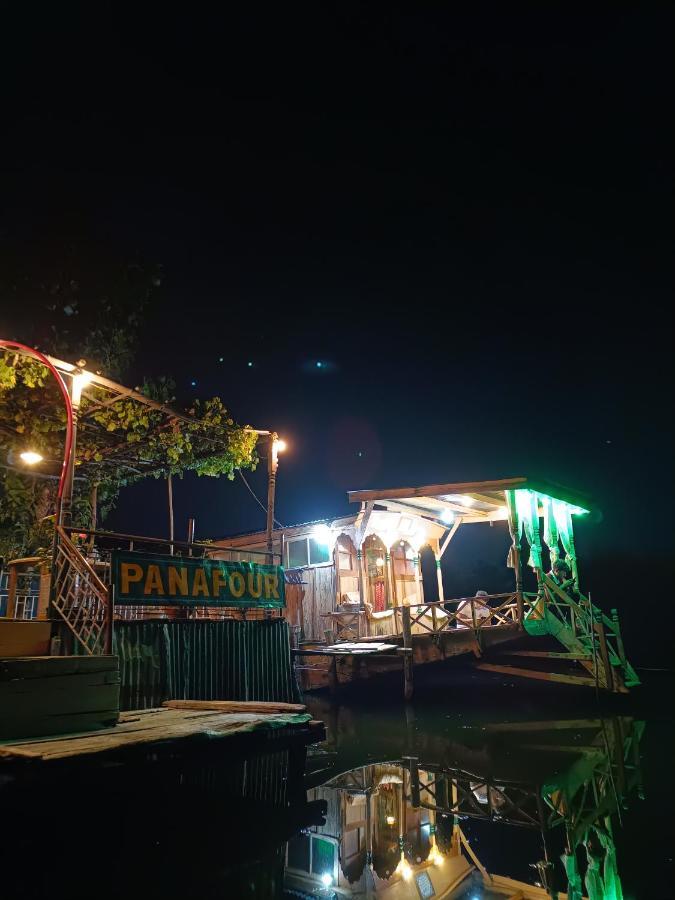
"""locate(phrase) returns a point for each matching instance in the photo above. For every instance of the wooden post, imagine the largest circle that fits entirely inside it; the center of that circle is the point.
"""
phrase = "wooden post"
(604, 656)
(413, 764)
(108, 644)
(169, 491)
(11, 592)
(272, 464)
(407, 654)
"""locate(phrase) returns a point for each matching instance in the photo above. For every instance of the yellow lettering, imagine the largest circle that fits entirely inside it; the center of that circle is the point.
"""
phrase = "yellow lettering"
(271, 587)
(153, 581)
(219, 581)
(178, 581)
(131, 573)
(254, 591)
(237, 584)
(199, 585)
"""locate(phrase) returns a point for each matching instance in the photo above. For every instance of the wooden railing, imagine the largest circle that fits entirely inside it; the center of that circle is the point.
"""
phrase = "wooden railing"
(80, 598)
(465, 612)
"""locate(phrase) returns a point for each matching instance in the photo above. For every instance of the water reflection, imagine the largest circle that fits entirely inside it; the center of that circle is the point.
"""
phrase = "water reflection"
(523, 809)
(398, 804)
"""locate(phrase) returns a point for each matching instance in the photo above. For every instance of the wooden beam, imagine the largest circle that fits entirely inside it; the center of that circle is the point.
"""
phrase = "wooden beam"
(434, 490)
(546, 654)
(449, 536)
(537, 676)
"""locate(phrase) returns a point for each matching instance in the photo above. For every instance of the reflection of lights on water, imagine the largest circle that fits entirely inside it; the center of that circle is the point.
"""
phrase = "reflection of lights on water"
(326, 879)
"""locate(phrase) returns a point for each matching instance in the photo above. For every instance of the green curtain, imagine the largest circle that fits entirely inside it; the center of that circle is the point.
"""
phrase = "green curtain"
(526, 504)
(563, 519)
(551, 535)
(574, 890)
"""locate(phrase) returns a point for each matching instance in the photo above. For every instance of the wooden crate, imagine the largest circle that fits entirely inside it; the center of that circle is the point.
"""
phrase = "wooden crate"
(50, 695)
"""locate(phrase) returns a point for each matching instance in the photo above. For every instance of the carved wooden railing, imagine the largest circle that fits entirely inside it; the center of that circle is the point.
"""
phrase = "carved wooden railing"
(80, 598)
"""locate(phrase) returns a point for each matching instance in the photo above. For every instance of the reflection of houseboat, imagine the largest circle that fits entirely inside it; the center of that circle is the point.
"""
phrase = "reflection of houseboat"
(359, 579)
(402, 828)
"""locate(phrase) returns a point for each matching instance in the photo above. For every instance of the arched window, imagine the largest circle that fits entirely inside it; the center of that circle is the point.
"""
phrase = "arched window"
(405, 573)
(347, 570)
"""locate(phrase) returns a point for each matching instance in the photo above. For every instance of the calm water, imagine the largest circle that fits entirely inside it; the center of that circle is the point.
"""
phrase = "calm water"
(380, 809)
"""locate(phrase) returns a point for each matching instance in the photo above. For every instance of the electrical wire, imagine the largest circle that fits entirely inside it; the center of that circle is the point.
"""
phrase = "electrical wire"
(255, 497)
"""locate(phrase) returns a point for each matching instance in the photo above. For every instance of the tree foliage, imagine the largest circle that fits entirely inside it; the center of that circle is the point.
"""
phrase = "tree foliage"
(118, 443)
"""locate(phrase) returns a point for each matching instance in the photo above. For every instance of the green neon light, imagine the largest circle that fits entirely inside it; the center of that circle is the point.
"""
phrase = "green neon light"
(574, 510)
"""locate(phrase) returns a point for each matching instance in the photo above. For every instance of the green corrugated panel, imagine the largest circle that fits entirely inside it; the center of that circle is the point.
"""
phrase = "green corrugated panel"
(204, 660)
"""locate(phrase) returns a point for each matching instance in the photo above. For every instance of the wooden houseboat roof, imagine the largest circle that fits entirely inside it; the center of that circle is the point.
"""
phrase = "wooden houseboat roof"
(474, 501)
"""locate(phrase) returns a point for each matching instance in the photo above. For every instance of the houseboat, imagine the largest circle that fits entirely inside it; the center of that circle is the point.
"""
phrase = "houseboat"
(365, 592)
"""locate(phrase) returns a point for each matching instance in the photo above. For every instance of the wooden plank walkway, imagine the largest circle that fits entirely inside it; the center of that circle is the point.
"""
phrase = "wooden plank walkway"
(150, 726)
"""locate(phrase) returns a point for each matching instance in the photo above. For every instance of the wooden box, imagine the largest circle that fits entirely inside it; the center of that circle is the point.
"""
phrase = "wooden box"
(49, 695)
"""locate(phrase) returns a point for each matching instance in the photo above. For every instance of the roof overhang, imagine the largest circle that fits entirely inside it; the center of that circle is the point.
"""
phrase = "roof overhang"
(470, 501)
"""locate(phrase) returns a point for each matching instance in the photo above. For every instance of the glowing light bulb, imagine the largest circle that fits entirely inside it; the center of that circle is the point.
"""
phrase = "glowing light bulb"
(379, 562)
(326, 879)
(391, 820)
(323, 535)
(280, 446)
(31, 458)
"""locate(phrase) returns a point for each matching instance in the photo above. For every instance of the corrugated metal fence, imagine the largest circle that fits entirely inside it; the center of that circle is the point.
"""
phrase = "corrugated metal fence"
(204, 660)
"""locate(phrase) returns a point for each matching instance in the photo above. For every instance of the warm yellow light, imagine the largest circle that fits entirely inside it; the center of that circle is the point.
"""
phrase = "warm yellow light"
(80, 381)
(435, 855)
(379, 562)
(391, 820)
(31, 458)
(403, 869)
(280, 446)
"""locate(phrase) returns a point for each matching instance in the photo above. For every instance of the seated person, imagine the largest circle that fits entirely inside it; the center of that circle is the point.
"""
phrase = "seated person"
(561, 574)
(481, 611)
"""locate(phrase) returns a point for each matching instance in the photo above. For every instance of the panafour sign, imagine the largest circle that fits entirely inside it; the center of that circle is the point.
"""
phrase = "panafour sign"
(151, 579)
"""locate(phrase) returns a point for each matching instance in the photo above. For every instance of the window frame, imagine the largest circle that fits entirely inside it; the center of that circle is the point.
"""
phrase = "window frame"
(307, 565)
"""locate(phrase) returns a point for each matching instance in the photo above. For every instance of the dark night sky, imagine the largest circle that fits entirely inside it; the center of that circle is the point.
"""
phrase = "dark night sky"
(466, 219)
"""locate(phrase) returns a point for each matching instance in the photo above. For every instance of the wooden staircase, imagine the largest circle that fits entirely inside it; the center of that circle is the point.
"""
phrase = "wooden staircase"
(588, 636)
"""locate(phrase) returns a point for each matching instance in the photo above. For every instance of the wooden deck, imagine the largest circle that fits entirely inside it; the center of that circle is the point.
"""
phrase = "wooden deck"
(178, 721)
(329, 666)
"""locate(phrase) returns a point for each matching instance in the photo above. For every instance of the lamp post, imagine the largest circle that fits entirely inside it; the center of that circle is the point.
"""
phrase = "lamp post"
(69, 448)
(276, 446)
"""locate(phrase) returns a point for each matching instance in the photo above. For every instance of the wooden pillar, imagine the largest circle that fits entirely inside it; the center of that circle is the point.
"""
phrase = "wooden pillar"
(43, 596)
(407, 654)
(413, 763)
(11, 592)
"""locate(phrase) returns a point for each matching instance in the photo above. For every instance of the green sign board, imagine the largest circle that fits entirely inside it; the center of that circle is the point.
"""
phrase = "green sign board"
(151, 579)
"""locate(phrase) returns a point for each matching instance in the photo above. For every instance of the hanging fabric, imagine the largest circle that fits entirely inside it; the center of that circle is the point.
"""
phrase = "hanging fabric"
(563, 519)
(526, 503)
(551, 536)
(514, 529)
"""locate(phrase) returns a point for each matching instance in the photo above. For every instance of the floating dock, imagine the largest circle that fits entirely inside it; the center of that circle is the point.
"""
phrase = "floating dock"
(177, 722)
